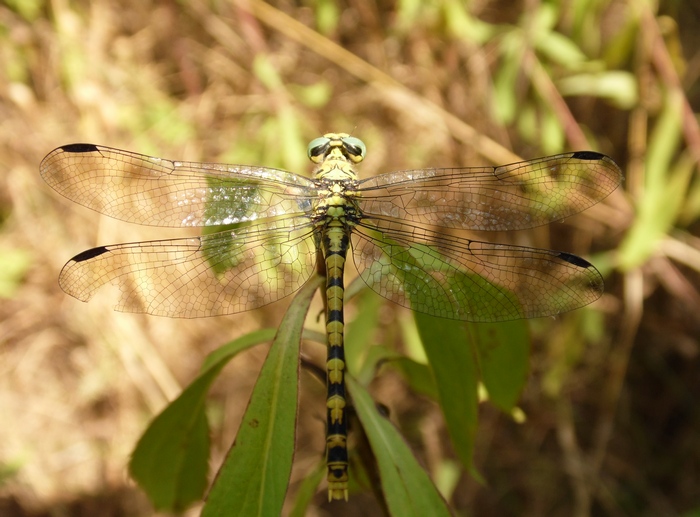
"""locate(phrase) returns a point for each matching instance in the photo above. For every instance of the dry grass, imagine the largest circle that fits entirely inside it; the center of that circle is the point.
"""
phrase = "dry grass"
(610, 424)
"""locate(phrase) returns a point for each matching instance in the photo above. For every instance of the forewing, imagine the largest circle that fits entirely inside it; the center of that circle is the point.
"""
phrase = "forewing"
(462, 279)
(220, 273)
(509, 197)
(157, 192)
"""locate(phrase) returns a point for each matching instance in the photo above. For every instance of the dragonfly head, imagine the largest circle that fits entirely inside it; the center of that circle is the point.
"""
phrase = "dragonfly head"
(342, 144)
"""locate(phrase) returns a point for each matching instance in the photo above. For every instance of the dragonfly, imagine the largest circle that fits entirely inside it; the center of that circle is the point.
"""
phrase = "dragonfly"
(266, 231)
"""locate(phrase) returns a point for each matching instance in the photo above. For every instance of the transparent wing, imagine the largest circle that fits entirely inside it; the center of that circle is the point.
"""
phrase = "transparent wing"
(152, 191)
(469, 280)
(510, 197)
(220, 273)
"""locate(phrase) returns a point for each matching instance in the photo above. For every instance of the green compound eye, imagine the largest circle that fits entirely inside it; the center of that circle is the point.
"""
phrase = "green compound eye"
(355, 147)
(317, 147)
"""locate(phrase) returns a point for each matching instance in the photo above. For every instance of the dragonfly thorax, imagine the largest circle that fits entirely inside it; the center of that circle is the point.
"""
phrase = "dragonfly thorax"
(336, 200)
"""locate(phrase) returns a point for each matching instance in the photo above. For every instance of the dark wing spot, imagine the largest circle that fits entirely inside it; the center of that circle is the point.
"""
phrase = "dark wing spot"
(88, 254)
(575, 260)
(79, 148)
(588, 155)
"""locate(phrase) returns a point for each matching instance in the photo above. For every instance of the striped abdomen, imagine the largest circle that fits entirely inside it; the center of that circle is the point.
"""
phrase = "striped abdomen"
(335, 246)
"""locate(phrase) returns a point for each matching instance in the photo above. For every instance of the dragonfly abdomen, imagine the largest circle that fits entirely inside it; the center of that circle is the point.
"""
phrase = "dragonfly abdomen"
(335, 247)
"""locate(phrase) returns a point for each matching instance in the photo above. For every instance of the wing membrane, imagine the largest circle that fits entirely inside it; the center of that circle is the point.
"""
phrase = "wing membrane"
(153, 191)
(509, 197)
(462, 279)
(220, 273)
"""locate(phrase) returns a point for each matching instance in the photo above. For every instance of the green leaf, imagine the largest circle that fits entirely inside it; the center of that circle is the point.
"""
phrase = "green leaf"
(542, 20)
(266, 72)
(659, 205)
(622, 45)
(455, 370)
(461, 23)
(254, 477)
(307, 490)
(315, 95)
(14, 264)
(551, 133)
(691, 203)
(504, 352)
(354, 289)
(505, 104)
(290, 139)
(407, 487)
(565, 351)
(528, 122)
(418, 375)
(619, 87)
(327, 16)
(560, 49)
(30, 10)
(170, 461)
(360, 331)
(219, 357)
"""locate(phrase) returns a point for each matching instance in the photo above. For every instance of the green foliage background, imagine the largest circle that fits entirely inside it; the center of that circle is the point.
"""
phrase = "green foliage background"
(607, 422)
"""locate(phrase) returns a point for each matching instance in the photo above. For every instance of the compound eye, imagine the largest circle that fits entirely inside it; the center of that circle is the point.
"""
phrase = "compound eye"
(355, 147)
(317, 148)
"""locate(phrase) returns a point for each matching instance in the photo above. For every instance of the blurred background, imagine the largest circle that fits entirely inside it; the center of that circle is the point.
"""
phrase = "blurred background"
(610, 409)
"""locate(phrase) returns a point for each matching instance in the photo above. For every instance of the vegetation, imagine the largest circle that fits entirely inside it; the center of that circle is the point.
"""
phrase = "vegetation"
(599, 419)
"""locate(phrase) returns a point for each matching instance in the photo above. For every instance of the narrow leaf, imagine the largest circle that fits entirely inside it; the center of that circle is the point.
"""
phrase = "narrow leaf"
(455, 371)
(654, 214)
(504, 353)
(407, 487)
(360, 332)
(254, 477)
(418, 375)
(307, 490)
(170, 461)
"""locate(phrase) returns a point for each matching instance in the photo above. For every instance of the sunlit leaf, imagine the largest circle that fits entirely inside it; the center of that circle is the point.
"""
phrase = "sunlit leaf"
(254, 477)
(551, 133)
(656, 210)
(15, 263)
(462, 24)
(504, 99)
(315, 95)
(560, 49)
(327, 16)
(170, 461)
(619, 87)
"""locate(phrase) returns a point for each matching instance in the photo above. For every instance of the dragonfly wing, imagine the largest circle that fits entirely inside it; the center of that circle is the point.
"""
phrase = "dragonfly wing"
(509, 197)
(219, 273)
(462, 279)
(153, 191)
